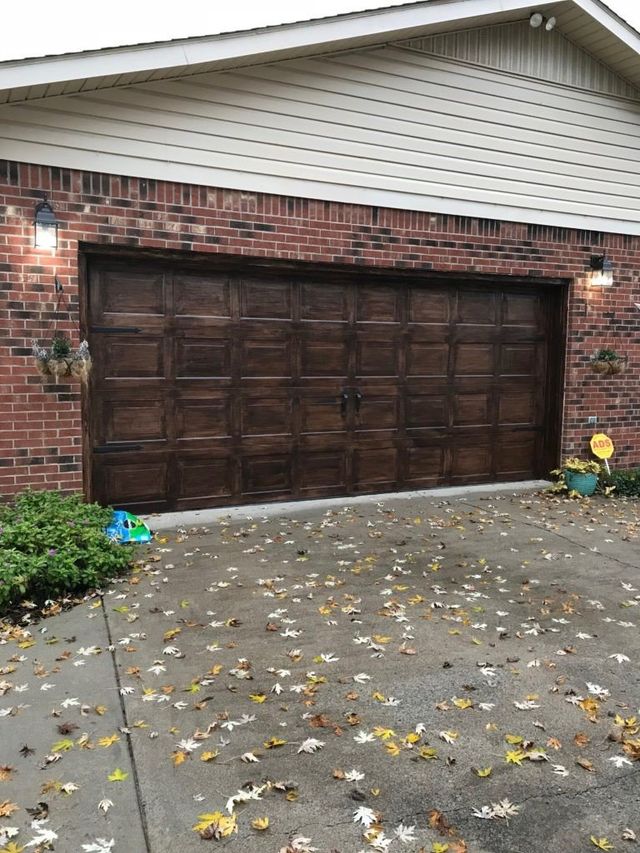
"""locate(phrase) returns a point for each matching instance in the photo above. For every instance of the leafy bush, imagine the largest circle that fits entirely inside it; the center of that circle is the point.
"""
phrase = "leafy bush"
(625, 483)
(53, 545)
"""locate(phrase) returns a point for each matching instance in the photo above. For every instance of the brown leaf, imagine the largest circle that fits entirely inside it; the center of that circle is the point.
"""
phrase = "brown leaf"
(338, 774)
(586, 765)
(67, 728)
(554, 743)
(320, 721)
(5, 772)
(438, 822)
(581, 740)
(7, 808)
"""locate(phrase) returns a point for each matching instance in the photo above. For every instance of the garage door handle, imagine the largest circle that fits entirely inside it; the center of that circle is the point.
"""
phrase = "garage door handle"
(358, 400)
(116, 448)
(344, 402)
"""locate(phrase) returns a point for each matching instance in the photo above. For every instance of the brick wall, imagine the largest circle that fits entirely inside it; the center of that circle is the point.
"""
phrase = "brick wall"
(40, 424)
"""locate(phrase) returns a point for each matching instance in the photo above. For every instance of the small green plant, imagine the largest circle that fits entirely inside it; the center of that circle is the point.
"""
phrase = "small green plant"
(606, 355)
(573, 465)
(53, 545)
(624, 483)
(60, 346)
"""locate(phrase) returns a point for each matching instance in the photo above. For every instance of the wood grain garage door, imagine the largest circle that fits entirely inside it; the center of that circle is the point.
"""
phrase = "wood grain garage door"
(212, 388)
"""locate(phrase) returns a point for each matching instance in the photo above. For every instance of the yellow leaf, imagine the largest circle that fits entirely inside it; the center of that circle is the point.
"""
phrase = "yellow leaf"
(437, 847)
(427, 752)
(463, 704)
(258, 697)
(412, 737)
(379, 638)
(209, 756)
(274, 742)
(173, 632)
(515, 756)
(483, 772)
(513, 739)
(12, 847)
(178, 757)
(260, 823)
(382, 733)
(63, 745)
(117, 775)
(108, 741)
(392, 748)
(100, 710)
(292, 796)
(379, 697)
(216, 823)
(601, 843)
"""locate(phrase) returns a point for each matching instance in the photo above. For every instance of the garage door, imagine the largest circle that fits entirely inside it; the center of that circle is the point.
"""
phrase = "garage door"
(215, 387)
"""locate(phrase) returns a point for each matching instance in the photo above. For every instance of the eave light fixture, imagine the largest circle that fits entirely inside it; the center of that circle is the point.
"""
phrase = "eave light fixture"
(536, 20)
(550, 24)
(45, 226)
(601, 270)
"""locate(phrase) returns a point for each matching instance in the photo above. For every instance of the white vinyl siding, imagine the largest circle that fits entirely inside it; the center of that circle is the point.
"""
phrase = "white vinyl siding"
(384, 126)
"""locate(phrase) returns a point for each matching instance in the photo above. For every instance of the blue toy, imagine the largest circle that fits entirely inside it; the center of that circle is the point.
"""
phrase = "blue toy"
(126, 529)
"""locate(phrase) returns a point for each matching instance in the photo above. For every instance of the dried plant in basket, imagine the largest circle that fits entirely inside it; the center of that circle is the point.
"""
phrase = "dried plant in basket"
(60, 360)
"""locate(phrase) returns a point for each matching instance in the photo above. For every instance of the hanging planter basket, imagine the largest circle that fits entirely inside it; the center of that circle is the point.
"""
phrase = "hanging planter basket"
(608, 363)
(59, 361)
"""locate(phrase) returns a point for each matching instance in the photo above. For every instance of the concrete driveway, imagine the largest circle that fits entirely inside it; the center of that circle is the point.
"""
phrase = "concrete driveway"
(397, 676)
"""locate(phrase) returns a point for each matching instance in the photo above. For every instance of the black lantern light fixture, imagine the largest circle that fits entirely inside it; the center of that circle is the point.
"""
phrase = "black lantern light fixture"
(601, 270)
(45, 226)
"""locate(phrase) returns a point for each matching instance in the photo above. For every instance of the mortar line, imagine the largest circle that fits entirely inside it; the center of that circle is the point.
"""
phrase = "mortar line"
(123, 710)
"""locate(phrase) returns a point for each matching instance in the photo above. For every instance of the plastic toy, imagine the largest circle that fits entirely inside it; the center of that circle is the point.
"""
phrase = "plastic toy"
(127, 529)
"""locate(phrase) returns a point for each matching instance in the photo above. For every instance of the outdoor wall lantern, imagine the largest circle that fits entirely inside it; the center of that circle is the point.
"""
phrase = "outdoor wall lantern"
(45, 226)
(601, 271)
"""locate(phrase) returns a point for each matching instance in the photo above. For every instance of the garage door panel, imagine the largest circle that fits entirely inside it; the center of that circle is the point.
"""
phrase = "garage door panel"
(266, 416)
(519, 359)
(377, 357)
(324, 302)
(198, 358)
(264, 474)
(476, 308)
(429, 306)
(323, 471)
(427, 359)
(425, 466)
(201, 478)
(377, 411)
(424, 411)
(130, 292)
(321, 357)
(474, 359)
(470, 461)
(133, 420)
(517, 407)
(265, 299)
(521, 309)
(322, 414)
(202, 419)
(516, 455)
(133, 481)
(202, 296)
(472, 409)
(374, 467)
(131, 357)
(265, 359)
(377, 304)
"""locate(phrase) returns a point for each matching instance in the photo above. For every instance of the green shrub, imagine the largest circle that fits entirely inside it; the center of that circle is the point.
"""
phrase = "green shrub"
(626, 483)
(53, 545)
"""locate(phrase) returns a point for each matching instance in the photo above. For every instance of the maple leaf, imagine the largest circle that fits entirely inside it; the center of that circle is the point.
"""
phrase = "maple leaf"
(118, 775)
(105, 805)
(100, 845)
(382, 733)
(210, 755)
(310, 745)
(601, 843)
(7, 808)
(178, 757)
(438, 847)
(109, 741)
(365, 816)
(463, 704)
(405, 833)
(216, 825)
(12, 847)
(448, 737)
(258, 697)
(392, 748)
(273, 743)
(260, 823)
(515, 756)
(484, 772)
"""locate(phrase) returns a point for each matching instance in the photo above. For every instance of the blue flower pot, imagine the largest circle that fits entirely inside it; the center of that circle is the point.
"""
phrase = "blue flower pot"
(583, 484)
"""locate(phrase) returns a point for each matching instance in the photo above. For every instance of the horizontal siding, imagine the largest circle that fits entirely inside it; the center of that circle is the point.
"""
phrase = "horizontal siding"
(521, 49)
(417, 130)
